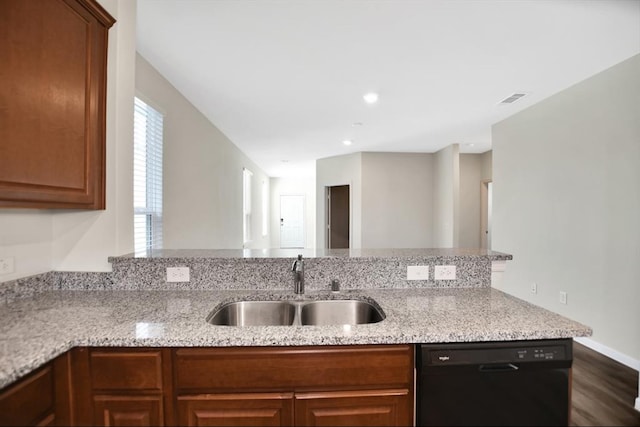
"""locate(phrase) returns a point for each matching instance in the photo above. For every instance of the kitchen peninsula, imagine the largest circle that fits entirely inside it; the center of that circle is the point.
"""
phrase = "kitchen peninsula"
(134, 309)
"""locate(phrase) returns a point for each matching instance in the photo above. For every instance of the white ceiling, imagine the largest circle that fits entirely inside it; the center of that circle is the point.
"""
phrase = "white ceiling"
(284, 79)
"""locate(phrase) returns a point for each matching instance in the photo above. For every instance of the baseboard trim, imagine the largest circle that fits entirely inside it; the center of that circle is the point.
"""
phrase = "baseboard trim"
(609, 352)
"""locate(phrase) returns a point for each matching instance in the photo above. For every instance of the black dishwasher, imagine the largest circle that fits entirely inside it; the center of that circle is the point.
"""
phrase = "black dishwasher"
(511, 383)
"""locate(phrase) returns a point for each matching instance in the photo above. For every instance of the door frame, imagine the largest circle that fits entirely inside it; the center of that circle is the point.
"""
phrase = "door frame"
(485, 213)
(327, 214)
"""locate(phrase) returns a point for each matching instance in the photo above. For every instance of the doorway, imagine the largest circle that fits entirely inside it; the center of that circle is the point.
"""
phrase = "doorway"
(338, 217)
(486, 196)
(292, 221)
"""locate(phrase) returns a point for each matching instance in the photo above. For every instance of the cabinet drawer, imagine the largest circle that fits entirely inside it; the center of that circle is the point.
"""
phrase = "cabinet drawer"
(127, 411)
(126, 370)
(28, 402)
(293, 368)
(355, 408)
(238, 409)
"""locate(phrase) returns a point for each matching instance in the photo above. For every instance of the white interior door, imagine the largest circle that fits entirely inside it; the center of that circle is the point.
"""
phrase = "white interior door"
(292, 221)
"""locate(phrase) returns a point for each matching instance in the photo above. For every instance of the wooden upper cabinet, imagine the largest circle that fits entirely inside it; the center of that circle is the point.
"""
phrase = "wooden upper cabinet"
(53, 57)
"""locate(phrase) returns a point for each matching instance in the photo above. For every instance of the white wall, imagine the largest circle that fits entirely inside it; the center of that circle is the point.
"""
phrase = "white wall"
(567, 203)
(339, 170)
(446, 197)
(397, 194)
(305, 186)
(202, 174)
(44, 240)
(470, 183)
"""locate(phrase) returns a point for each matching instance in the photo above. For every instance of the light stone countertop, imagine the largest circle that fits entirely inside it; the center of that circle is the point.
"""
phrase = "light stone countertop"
(351, 254)
(35, 330)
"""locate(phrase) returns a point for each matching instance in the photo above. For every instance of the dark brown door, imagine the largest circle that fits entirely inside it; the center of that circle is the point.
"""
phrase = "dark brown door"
(338, 217)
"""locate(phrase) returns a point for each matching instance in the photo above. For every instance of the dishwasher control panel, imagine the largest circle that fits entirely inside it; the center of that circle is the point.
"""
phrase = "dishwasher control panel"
(479, 353)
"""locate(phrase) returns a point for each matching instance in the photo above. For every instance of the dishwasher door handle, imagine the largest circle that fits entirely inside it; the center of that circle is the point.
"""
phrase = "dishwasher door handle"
(502, 367)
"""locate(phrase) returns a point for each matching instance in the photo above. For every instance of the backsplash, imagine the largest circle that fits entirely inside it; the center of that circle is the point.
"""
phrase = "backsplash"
(242, 270)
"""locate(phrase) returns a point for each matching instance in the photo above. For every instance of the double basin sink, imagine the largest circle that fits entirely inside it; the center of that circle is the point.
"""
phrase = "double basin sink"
(288, 313)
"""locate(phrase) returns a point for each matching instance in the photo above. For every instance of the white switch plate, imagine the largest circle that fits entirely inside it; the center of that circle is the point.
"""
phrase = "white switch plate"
(445, 272)
(177, 274)
(534, 288)
(7, 265)
(563, 297)
(417, 272)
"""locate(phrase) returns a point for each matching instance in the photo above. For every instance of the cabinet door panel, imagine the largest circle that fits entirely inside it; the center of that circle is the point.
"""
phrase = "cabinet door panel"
(29, 401)
(354, 408)
(52, 126)
(127, 411)
(241, 409)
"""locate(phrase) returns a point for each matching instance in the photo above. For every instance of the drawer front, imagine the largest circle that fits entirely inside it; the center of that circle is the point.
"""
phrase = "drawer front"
(127, 411)
(29, 401)
(126, 370)
(238, 409)
(293, 368)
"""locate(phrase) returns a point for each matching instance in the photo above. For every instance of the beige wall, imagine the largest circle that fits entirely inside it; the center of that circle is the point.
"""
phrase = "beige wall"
(446, 197)
(567, 202)
(486, 165)
(305, 186)
(397, 193)
(44, 240)
(202, 174)
(470, 182)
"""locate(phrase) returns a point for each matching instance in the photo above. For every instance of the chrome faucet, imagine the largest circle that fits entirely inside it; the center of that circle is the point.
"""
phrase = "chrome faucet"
(298, 275)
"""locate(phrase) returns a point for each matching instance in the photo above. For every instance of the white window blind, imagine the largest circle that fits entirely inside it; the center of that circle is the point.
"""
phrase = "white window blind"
(147, 177)
(246, 204)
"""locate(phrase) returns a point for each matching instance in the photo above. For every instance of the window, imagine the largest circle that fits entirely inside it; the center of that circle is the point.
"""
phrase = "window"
(246, 204)
(147, 177)
(265, 208)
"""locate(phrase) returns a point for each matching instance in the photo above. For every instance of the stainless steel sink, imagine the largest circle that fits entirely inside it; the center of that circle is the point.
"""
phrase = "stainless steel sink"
(285, 313)
(339, 312)
(254, 313)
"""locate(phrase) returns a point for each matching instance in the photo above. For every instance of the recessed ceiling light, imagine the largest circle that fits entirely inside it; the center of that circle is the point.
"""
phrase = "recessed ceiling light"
(471, 144)
(284, 161)
(357, 124)
(370, 98)
(347, 142)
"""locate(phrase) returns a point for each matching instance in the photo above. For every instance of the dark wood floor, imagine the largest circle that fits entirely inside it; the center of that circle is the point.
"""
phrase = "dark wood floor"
(604, 391)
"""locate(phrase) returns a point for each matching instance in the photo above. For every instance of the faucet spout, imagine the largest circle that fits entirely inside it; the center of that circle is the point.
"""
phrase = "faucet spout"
(298, 275)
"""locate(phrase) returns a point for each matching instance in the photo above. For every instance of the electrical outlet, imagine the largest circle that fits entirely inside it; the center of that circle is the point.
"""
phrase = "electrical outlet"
(7, 265)
(534, 288)
(417, 272)
(177, 274)
(445, 272)
(563, 297)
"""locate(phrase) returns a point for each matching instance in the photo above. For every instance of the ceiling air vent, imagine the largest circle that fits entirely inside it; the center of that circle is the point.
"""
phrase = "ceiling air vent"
(512, 98)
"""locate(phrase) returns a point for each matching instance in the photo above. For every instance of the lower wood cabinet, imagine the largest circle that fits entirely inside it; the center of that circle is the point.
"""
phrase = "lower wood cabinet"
(39, 399)
(240, 386)
(305, 386)
(123, 386)
(30, 401)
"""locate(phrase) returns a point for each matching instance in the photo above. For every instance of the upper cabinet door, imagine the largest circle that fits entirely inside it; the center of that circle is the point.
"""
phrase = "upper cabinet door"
(53, 56)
